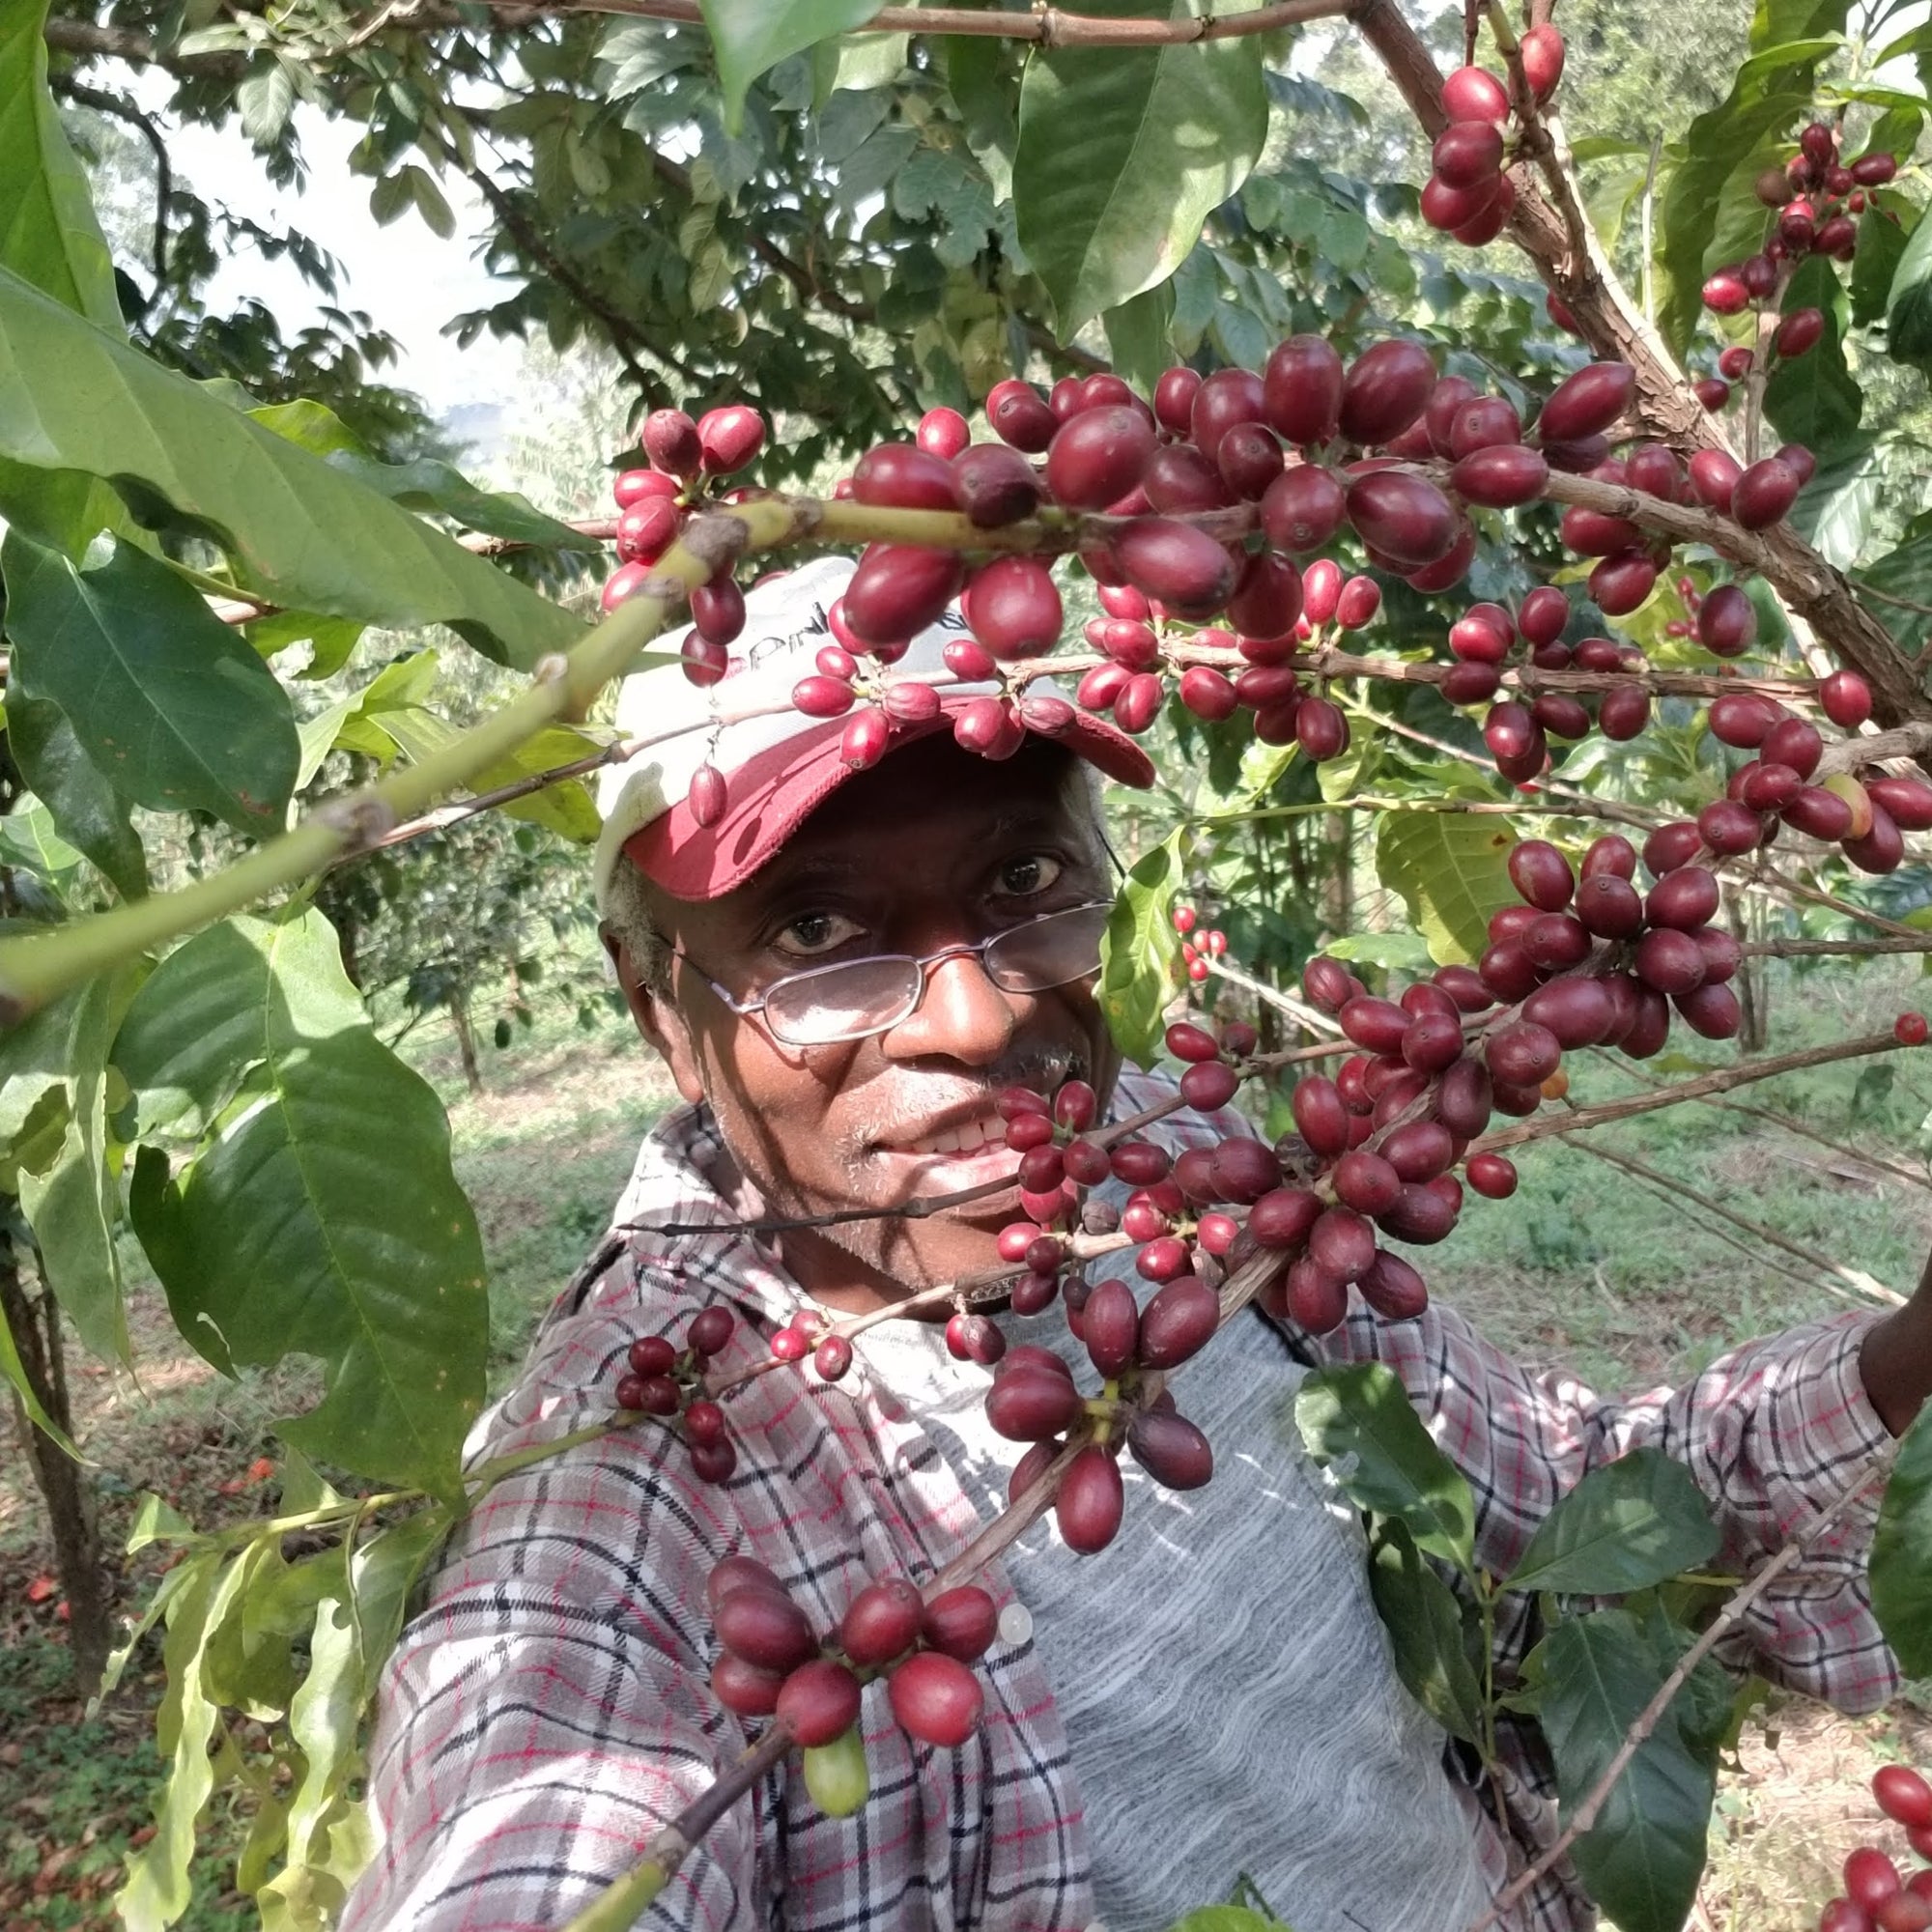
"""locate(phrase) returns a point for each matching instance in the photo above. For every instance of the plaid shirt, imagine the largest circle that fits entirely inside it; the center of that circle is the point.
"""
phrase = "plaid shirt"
(550, 1707)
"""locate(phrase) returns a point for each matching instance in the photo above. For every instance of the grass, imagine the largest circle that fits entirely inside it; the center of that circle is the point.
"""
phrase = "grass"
(1584, 1270)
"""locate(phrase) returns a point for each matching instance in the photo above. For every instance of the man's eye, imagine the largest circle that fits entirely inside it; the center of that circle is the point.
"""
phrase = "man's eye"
(814, 932)
(1023, 878)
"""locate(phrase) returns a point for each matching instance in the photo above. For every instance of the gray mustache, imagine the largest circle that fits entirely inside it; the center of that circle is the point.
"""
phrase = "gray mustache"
(894, 1098)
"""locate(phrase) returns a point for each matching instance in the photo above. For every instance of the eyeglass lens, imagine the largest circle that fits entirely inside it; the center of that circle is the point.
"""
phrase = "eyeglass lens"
(863, 996)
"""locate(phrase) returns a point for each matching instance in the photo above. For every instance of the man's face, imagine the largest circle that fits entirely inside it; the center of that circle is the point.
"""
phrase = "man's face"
(935, 848)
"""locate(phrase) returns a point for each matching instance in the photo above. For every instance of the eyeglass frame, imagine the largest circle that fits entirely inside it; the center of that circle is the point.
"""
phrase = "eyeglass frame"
(755, 1007)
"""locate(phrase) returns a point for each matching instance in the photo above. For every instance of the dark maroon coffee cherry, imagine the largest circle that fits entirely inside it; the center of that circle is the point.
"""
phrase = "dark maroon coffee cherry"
(898, 589)
(1623, 713)
(881, 1622)
(1619, 583)
(1501, 476)
(1302, 392)
(710, 1331)
(1908, 801)
(1881, 849)
(1794, 742)
(963, 1623)
(738, 1573)
(1091, 1501)
(1283, 1218)
(1577, 1012)
(1174, 399)
(764, 1628)
(1250, 459)
(1342, 1243)
(820, 1701)
(1683, 899)
(902, 475)
(1402, 516)
(1111, 1323)
(1422, 1216)
(1226, 397)
(1714, 478)
(1170, 1449)
(1712, 1010)
(1763, 493)
(1266, 599)
(1029, 1405)
(1096, 457)
(1393, 1288)
(1013, 608)
(1019, 415)
(1522, 1054)
(1587, 403)
(1541, 875)
(744, 1689)
(1177, 1322)
(1366, 1182)
(1302, 508)
(1384, 391)
(1467, 153)
(995, 485)
(1176, 565)
(936, 1699)
(1669, 961)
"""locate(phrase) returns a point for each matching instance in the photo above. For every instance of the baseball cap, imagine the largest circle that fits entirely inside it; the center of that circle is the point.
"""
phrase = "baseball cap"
(778, 764)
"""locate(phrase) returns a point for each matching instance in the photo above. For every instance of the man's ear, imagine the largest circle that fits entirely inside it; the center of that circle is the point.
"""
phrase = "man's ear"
(658, 1020)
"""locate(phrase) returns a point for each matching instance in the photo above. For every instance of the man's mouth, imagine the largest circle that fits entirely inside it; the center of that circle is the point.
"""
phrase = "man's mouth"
(968, 1137)
(967, 1149)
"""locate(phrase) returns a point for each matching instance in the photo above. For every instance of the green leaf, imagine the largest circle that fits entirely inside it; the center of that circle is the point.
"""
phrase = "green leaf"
(322, 1218)
(1908, 309)
(331, 640)
(1643, 1857)
(1624, 1527)
(156, 1520)
(49, 234)
(1901, 1556)
(1124, 152)
(156, 1890)
(300, 532)
(1137, 342)
(1906, 572)
(1362, 1411)
(753, 36)
(381, 1574)
(82, 803)
(1834, 510)
(74, 1204)
(1139, 952)
(1451, 872)
(265, 100)
(1875, 264)
(323, 1720)
(1427, 1635)
(1814, 398)
(162, 695)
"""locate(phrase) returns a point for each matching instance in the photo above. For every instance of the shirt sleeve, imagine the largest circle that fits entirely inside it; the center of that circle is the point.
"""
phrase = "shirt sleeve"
(550, 1710)
(1772, 1431)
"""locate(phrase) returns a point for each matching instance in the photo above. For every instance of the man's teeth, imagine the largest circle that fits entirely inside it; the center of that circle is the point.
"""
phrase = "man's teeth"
(967, 1138)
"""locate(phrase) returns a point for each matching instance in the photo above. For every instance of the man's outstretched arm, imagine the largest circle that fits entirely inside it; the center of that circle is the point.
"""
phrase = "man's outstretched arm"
(1897, 1359)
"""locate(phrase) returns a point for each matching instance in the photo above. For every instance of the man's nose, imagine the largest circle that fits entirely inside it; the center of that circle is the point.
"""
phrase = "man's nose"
(963, 1016)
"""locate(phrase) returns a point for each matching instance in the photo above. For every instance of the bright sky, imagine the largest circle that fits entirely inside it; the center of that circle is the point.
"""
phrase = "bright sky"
(409, 280)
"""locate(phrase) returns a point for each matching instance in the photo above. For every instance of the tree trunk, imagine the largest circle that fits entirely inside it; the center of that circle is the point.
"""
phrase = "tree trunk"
(465, 1040)
(34, 1321)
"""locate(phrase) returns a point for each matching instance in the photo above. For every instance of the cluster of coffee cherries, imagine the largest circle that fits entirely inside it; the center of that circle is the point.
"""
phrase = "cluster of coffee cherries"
(686, 458)
(1865, 813)
(1816, 200)
(660, 1378)
(1468, 195)
(1876, 1899)
(1200, 946)
(772, 1664)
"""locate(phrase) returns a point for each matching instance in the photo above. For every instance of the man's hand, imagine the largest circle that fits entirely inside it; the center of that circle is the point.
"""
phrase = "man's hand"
(1897, 1359)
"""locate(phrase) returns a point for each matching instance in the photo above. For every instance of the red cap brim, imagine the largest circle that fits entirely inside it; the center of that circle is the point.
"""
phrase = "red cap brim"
(772, 794)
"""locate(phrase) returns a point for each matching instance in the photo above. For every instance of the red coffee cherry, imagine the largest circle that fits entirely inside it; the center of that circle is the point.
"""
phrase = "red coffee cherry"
(1301, 389)
(1587, 403)
(729, 437)
(936, 1699)
(1908, 1030)
(820, 1701)
(1019, 415)
(1091, 1501)
(1384, 391)
(963, 1623)
(881, 1622)
(1170, 1449)
(1474, 94)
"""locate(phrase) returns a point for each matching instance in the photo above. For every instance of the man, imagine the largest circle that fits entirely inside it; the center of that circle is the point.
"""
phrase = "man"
(1212, 1694)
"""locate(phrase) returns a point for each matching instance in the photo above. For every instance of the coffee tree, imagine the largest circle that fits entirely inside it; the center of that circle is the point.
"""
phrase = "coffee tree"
(1345, 525)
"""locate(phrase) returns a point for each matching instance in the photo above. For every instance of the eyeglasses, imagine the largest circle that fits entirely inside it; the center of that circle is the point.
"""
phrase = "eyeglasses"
(856, 998)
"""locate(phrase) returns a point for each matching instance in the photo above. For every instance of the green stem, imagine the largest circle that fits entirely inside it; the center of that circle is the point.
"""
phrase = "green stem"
(620, 1904)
